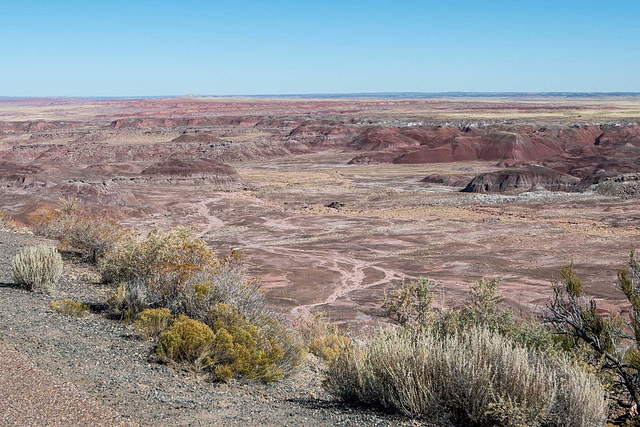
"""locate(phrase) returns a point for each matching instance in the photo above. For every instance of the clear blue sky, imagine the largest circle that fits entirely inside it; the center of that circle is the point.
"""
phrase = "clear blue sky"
(119, 48)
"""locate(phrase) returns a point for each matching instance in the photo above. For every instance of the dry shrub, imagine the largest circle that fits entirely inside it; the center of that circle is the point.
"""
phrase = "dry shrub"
(410, 307)
(128, 300)
(154, 321)
(323, 339)
(162, 260)
(477, 377)
(177, 270)
(70, 307)
(7, 223)
(92, 237)
(37, 268)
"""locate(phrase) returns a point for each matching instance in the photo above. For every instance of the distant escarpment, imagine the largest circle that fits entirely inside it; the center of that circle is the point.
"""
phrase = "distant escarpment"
(564, 154)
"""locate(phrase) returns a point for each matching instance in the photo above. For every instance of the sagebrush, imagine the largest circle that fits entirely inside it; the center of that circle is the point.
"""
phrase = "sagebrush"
(476, 377)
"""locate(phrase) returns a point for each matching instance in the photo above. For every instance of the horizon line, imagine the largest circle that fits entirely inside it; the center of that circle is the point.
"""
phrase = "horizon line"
(406, 95)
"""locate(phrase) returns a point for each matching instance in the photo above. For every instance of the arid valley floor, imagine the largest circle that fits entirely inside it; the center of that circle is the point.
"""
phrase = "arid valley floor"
(327, 198)
(332, 202)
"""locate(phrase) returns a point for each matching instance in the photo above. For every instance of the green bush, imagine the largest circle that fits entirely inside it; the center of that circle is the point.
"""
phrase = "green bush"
(70, 307)
(608, 341)
(476, 378)
(37, 268)
(153, 321)
(231, 346)
(187, 340)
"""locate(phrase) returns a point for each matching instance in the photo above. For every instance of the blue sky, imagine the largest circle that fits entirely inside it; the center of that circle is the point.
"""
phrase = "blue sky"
(120, 48)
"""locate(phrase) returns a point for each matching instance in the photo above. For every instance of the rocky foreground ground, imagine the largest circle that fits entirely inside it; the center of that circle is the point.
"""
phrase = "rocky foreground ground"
(63, 370)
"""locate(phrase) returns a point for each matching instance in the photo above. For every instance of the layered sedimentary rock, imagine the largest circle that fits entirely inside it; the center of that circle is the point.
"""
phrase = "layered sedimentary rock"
(522, 179)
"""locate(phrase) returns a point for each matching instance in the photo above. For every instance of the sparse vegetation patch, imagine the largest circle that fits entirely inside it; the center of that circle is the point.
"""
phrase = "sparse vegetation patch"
(70, 307)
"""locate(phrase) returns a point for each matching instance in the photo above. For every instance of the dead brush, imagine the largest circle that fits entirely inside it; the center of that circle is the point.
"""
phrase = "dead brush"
(90, 236)
(322, 338)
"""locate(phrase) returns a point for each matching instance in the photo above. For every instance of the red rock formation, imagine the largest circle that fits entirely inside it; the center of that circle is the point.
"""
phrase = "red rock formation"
(521, 179)
(193, 171)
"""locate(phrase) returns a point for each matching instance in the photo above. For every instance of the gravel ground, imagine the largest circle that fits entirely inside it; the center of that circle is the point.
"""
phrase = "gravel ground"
(61, 370)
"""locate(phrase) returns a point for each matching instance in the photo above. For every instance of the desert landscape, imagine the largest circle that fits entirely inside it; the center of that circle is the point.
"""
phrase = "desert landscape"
(336, 213)
(333, 201)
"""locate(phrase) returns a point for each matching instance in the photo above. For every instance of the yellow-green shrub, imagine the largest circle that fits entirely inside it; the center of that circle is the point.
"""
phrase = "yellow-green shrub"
(153, 321)
(231, 346)
(222, 282)
(187, 340)
(240, 347)
(37, 268)
(70, 307)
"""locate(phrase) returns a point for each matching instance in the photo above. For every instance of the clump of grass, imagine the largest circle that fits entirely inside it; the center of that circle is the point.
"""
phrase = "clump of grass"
(37, 268)
(70, 307)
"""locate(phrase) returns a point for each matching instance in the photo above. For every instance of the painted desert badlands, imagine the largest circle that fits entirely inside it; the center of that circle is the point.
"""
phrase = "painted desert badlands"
(335, 200)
